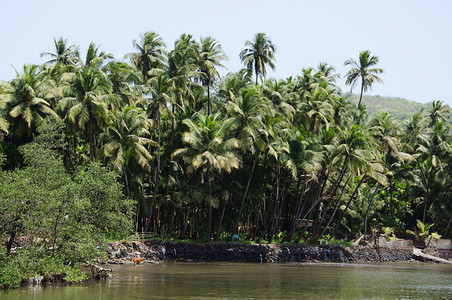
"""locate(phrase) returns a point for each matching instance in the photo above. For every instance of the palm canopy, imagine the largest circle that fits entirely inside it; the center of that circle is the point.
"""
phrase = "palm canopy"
(94, 58)
(87, 92)
(27, 99)
(125, 138)
(151, 54)
(182, 60)
(363, 69)
(326, 73)
(260, 52)
(182, 69)
(208, 144)
(64, 54)
(209, 58)
(121, 76)
(232, 84)
(247, 110)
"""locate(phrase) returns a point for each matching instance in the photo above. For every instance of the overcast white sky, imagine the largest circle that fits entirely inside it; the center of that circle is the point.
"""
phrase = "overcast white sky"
(413, 39)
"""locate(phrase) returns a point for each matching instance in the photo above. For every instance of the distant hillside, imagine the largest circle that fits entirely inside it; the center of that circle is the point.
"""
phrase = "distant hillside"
(398, 107)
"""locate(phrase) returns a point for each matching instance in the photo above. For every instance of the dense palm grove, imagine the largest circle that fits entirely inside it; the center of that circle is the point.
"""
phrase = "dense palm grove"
(205, 157)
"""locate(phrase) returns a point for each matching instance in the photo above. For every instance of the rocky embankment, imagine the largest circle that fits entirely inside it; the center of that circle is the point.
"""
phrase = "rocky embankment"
(155, 252)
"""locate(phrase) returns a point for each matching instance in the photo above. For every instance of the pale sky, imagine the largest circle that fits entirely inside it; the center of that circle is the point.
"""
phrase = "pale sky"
(413, 39)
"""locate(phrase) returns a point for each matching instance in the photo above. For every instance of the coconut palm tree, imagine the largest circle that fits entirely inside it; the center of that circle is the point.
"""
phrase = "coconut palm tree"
(94, 58)
(439, 112)
(260, 52)
(150, 55)
(27, 100)
(232, 84)
(208, 149)
(318, 110)
(363, 69)
(162, 91)
(247, 110)
(121, 76)
(326, 73)
(209, 58)
(125, 140)
(182, 70)
(87, 93)
(64, 54)
(431, 157)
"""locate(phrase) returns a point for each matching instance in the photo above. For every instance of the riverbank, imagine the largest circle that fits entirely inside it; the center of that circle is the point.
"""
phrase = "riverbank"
(154, 252)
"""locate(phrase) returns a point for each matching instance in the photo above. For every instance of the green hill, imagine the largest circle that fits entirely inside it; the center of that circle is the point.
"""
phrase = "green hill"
(398, 107)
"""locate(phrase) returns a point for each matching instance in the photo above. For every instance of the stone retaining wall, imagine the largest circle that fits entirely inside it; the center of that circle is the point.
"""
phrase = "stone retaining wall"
(237, 252)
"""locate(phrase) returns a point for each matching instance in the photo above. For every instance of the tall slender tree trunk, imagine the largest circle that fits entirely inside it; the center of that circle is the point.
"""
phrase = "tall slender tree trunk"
(299, 210)
(362, 91)
(173, 138)
(275, 209)
(335, 208)
(209, 230)
(391, 200)
(208, 99)
(220, 223)
(424, 214)
(239, 214)
(318, 198)
(350, 200)
(156, 175)
(368, 208)
(126, 180)
(92, 142)
(186, 218)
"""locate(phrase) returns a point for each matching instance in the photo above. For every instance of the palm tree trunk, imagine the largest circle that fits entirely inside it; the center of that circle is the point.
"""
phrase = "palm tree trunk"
(361, 94)
(173, 138)
(391, 200)
(126, 180)
(184, 228)
(91, 143)
(335, 209)
(239, 214)
(300, 206)
(209, 230)
(156, 175)
(424, 214)
(350, 200)
(208, 99)
(318, 198)
(447, 227)
(368, 208)
(220, 223)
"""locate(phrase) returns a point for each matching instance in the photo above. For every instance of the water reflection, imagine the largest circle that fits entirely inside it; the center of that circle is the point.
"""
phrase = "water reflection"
(253, 281)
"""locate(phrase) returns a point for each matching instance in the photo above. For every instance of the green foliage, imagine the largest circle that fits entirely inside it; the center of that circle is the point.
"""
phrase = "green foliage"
(288, 160)
(423, 232)
(59, 220)
(388, 234)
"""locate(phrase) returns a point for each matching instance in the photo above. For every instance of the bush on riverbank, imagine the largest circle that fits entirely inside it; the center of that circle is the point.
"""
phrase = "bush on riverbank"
(52, 220)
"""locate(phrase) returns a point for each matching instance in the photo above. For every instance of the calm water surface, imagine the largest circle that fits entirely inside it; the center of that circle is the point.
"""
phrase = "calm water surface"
(257, 281)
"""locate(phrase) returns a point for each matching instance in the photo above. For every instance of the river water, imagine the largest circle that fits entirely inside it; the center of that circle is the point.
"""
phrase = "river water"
(257, 281)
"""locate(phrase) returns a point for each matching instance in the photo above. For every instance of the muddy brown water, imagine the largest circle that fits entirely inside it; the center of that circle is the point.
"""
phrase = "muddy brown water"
(258, 281)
